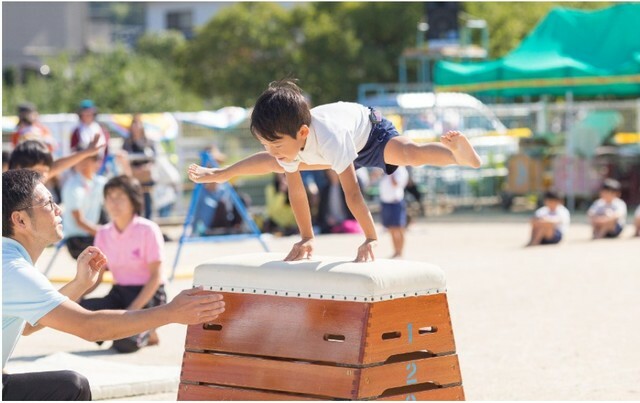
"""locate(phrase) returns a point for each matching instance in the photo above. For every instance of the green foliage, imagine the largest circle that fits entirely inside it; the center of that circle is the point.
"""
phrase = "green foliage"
(241, 50)
(118, 82)
(330, 46)
(167, 46)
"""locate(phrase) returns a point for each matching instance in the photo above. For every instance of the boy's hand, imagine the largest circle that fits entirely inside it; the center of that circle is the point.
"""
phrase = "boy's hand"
(200, 174)
(300, 249)
(365, 251)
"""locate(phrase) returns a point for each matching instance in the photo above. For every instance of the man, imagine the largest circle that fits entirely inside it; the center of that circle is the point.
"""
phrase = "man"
(30, 222)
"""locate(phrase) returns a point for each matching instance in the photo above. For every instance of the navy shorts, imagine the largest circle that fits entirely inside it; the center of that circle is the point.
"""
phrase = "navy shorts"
(394, 214)
(616, 231)
(372, 155)
(557, 237)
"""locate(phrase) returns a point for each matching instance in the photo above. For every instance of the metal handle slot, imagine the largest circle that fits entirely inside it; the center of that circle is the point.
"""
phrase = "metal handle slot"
(336, 338)
(391, 335)
(427, 330)
(212, 326)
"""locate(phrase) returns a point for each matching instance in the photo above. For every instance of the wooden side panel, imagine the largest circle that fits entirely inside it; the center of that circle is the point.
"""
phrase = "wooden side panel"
(443, 370)
(213, 393)
(307, 329)
(454, 393)
(408, 324)
(273, 375)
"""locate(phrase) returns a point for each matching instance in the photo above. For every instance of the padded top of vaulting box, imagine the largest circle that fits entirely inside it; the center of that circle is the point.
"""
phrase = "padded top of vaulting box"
(321, 277)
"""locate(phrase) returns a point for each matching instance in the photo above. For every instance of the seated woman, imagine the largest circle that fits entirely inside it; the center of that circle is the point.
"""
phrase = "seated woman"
(134, 249)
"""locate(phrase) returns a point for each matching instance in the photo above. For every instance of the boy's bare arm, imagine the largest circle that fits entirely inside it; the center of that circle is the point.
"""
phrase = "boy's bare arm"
(257, 164)
(300, 206)
(358, 207)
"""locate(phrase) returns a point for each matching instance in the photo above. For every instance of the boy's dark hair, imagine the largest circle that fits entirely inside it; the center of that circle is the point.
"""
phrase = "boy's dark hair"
(281, 108)
(611, 184)
(551, 195)
(18, 187)
(131, 187)
(29, 154)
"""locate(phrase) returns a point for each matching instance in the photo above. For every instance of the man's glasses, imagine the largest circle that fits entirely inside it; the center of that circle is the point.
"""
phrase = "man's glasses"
(50, 202)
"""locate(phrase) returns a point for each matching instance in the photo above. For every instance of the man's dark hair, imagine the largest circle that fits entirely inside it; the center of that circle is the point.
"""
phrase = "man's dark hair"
(131, 187)
(29, 154)
(18, 187)
(611, 184)
(281, 108)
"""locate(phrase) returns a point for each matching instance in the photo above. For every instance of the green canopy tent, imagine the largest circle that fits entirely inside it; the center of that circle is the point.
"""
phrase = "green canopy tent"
(584, 52)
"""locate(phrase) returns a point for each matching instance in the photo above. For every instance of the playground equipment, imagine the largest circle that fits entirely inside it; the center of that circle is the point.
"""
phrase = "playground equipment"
(322, 329)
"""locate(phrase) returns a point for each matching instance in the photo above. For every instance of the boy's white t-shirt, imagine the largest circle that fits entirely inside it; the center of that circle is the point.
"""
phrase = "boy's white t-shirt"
(562, 213)
(617, 206)
(337, 133)
(637, 214)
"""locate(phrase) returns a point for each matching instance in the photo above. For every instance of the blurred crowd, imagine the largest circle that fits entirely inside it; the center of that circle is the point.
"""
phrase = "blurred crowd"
(77, 179)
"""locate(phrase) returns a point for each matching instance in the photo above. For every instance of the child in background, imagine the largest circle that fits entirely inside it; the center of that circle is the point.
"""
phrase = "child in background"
(608, 214)
(550, 222)
(393, 209)
(637, 220)
(342, 136)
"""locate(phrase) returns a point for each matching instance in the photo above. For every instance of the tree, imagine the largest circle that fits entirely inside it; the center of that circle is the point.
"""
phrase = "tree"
(238, 52)
(118, 82)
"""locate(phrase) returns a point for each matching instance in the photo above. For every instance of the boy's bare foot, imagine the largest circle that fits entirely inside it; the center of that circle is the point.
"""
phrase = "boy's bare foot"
(461, 149)
(200, 174)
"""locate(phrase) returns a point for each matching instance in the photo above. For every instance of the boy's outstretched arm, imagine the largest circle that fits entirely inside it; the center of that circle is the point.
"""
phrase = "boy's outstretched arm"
(358, 208)
(257, 164)
(302, 213)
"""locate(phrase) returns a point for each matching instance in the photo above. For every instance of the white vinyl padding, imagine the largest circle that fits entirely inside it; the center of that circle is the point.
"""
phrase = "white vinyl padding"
(321, 277)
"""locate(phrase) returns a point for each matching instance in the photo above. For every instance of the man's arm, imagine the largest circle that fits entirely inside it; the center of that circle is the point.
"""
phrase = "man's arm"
(62, 164)
(90, 265)
(189, 307)
(84, 224)
(361, 213)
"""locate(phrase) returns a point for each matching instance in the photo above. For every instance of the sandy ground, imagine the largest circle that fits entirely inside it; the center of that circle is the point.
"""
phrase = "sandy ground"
(546, 323)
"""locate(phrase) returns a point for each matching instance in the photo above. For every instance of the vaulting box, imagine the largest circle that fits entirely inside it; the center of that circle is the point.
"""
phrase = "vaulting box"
(322, 329)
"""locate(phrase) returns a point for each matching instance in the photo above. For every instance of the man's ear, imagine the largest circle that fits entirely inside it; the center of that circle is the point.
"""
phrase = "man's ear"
(18, 220)
(303, 132)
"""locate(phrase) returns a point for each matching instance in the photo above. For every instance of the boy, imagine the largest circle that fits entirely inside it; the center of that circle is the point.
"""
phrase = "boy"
(550, 221)
(341, 136)
(609, 213)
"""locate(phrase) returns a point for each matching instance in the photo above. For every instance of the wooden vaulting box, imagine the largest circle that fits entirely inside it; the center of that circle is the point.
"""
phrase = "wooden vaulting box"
(322, 329)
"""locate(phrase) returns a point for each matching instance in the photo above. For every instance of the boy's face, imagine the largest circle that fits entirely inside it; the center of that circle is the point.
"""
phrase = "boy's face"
(608, 195)
(286, 148)
(552, 204)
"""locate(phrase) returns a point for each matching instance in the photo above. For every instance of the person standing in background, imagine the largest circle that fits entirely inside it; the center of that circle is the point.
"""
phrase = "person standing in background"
(393, 208)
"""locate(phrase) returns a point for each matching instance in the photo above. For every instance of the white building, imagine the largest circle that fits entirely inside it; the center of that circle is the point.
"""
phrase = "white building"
(185, 16)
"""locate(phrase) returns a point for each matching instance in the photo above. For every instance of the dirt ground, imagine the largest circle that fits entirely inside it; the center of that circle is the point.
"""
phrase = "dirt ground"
(545, 323)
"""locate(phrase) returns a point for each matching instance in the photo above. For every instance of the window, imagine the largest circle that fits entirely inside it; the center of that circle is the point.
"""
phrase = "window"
(181, 21)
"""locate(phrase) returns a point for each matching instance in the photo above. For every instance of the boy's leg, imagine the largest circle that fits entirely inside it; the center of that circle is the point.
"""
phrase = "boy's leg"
(397, 237)
(451, 150)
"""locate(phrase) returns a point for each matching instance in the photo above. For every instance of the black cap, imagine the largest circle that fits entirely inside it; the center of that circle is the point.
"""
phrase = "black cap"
(26, 107)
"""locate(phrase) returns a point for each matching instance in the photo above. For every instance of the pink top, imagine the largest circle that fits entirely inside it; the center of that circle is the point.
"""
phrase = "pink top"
(130, 252)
